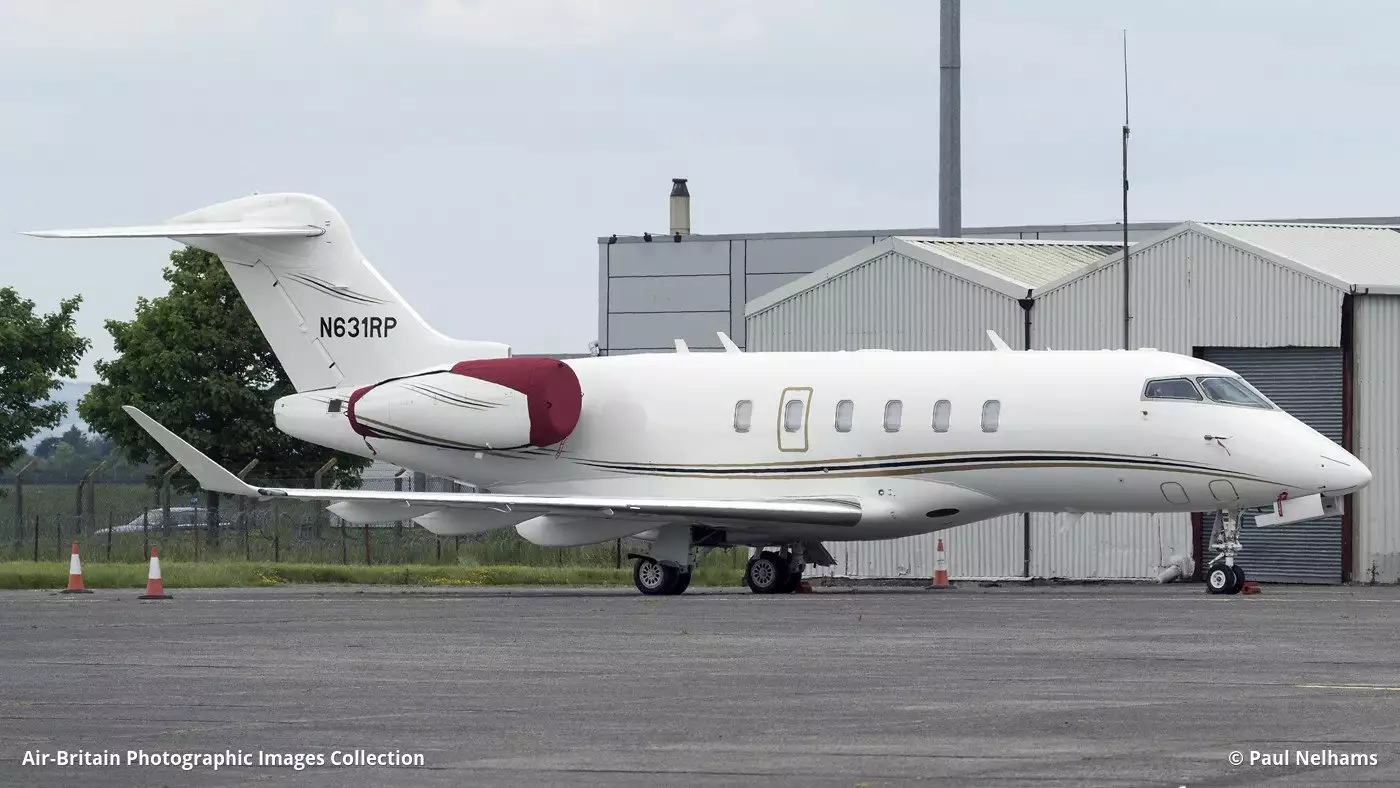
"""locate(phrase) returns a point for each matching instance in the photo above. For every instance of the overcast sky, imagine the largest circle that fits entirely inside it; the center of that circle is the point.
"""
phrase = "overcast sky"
(478, 148)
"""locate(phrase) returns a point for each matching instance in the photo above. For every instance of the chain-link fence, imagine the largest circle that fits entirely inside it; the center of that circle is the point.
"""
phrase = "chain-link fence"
(121, 522)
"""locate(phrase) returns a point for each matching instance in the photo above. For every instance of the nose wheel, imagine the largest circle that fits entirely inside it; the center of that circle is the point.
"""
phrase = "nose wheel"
(1223, 575)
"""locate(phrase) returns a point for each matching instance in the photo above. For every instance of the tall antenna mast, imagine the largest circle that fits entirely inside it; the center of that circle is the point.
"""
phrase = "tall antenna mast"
(1127, 291)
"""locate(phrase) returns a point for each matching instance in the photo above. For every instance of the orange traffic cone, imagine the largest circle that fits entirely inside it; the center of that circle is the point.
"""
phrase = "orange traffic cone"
(940, 567)
(154, 588)
(75, 575)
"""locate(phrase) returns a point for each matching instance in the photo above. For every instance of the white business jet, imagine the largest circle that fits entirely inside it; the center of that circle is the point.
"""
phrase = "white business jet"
(693, 451)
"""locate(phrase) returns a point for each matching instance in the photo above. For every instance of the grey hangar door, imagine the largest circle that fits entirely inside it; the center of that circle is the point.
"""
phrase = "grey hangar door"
(1307, 383)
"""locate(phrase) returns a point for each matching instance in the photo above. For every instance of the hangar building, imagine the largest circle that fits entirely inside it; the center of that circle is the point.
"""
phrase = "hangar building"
(1306, 310)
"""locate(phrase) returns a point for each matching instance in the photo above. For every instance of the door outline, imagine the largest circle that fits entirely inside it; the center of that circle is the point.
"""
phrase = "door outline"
(795, 441)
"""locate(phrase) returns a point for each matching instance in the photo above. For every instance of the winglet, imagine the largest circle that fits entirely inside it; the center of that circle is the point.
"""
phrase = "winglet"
(209, 474)
(997, 341)
(681, 346)
(729, 346)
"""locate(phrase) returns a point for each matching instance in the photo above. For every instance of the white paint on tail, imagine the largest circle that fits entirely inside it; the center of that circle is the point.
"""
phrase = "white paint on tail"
(330, 318)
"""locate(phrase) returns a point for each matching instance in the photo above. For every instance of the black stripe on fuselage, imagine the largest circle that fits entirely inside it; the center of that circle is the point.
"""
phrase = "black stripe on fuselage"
(912, 465)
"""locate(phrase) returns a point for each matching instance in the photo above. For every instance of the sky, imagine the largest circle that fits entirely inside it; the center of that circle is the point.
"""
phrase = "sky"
(479, 148)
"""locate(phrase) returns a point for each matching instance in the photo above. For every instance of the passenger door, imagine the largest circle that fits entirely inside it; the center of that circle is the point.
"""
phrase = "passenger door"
(794, 416)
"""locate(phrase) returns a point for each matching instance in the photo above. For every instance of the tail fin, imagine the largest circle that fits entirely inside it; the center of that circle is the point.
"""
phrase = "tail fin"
(329, 316)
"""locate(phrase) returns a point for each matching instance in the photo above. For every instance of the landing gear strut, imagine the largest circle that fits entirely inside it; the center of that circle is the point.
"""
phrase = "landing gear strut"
(775, 573)
(1223, 575)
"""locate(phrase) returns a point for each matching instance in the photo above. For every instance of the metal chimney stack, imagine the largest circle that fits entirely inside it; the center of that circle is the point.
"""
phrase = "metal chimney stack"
(680, 207)
(950, 123)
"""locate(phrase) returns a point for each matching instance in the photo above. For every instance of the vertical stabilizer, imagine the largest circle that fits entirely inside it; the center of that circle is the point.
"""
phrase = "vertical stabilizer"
(330, 318)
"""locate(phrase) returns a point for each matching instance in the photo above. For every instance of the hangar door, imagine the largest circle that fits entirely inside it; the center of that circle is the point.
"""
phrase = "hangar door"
(1306, 382)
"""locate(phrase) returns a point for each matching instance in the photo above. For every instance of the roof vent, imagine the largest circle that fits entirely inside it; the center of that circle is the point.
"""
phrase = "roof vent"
(680, 207)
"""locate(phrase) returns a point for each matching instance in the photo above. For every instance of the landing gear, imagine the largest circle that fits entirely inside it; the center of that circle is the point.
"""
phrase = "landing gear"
(656, 579)
(1223, 575)
(775, 573)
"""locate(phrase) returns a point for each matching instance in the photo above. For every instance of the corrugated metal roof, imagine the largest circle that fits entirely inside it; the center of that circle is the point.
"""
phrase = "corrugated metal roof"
(1026, 263)
(1010, 267)
(1358, 255)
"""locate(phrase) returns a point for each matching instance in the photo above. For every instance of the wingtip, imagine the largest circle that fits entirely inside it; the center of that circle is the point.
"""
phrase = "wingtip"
(209, 474)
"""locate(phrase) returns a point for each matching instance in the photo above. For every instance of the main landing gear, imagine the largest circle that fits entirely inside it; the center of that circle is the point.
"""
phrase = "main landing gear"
(653, 578)
(667, 571)
(1223, 575)
(775, 573)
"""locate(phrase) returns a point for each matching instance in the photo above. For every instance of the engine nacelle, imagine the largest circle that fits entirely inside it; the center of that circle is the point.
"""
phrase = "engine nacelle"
(500, 403)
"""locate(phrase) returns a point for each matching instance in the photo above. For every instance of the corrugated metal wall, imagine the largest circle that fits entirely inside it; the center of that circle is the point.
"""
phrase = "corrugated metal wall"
(989, 550)
(1306, 382)
(1187, 291)
(1376, 399)
(1107, 547)
(891, 302)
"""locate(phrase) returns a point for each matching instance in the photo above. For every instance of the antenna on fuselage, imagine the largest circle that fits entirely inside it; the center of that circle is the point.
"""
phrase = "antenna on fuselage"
(681, 346)
(729, 346)
(997, 341)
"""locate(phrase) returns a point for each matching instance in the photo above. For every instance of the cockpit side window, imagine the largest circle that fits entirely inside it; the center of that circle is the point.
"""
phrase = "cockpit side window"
(1172, 388)
(1233, 391)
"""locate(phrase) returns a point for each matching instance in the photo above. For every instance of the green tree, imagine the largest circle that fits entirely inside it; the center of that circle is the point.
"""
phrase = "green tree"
(196, 361)
(36, 352)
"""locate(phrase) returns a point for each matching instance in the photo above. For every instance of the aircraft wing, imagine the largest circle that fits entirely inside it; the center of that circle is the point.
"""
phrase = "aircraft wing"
(814, 511)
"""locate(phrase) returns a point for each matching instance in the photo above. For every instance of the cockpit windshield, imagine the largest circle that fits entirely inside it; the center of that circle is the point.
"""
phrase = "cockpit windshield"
(1172, 388)
(1224, 389)
(1233, 391)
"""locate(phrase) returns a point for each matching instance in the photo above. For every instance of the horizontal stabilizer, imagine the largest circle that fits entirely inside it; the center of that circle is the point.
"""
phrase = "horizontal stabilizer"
(187, 230)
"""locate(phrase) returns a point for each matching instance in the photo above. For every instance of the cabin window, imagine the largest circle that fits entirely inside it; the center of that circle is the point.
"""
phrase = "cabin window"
(942, 413)
(894, 415)
(1171, 388)
(1234, 391)
(792, 415)
(743, 414)
(845, 413)
(991, 415)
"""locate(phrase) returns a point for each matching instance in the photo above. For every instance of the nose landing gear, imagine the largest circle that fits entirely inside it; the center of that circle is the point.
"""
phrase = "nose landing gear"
(1223, 575)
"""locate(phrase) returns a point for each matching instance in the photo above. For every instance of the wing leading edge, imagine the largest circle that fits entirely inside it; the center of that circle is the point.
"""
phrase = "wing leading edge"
(813, 511)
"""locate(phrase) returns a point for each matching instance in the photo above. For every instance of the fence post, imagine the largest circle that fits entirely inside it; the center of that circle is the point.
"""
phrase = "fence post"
(166, 526)
(365, 528)
(91, 495)
(399, 524)
(242, 505)
(19, 507)
(145, 535)
(110, 525)
(316, 483)
(78, 500)
(36, 538)
(617, 560)
(344, 545)
(58, 535)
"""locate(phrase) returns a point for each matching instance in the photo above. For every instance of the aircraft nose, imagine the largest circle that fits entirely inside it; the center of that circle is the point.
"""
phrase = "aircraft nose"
(1344, 471)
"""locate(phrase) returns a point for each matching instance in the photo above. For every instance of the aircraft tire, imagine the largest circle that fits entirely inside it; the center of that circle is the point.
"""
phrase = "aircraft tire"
(766, 574)
(1219, 579)
(1238, 581)
(793, 581)
(654, 579)
(682, 582)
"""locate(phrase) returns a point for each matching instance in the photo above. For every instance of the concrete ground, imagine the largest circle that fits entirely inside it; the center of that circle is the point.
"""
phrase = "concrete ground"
(1047, 686)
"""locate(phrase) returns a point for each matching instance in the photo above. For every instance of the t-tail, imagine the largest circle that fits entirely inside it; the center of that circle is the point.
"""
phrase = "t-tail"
(329, 316)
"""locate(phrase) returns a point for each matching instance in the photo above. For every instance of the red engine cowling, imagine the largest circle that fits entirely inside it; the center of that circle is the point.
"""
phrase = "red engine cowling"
(495, 403)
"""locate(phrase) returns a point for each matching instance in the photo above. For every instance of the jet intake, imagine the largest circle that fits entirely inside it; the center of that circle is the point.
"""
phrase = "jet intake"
(502, 403)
